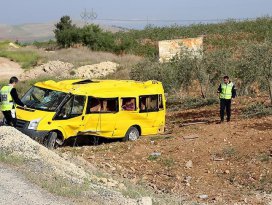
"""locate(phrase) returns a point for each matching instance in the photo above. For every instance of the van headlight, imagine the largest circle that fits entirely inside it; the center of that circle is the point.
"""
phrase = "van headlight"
(34, 124)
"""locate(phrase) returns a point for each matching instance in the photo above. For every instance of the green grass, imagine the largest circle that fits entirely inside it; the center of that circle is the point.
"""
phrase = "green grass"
(27, 59)
(4, 44)
(168, 162)
(153, 157)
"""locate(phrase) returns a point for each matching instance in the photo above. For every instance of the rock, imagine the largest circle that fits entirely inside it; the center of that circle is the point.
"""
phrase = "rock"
(111, 184)
(103, 180)
(203, 196)
(121, 186)
(227, 172)
(155, 154)
(218, 159)
(145, 201)
(187, 179)
(189, 164)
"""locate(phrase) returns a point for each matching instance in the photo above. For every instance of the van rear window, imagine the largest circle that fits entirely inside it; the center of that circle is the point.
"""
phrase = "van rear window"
(102, 105)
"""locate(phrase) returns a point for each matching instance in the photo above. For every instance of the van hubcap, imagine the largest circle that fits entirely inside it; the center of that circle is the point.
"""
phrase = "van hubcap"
(133, 135)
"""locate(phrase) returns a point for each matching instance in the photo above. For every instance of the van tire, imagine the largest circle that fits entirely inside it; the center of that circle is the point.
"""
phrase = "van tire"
(132, 134)
(51, 140)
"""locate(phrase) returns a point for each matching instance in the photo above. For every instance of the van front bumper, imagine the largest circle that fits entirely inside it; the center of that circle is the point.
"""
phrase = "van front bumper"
(38, 136)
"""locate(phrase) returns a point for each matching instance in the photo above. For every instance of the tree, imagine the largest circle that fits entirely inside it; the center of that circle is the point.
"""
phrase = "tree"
(66, 33)
(256, 64)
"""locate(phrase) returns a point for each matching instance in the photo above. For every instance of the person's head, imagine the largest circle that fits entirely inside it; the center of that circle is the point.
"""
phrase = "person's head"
(226, 79)
(13, 81)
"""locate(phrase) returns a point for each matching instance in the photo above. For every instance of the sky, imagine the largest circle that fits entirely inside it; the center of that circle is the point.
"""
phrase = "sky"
(15, 12)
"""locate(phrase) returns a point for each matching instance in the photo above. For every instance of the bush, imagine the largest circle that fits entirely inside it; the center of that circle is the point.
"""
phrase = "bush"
(257, 110)
(190, 103)
(184, 69)
(226, 35)
(47, 45)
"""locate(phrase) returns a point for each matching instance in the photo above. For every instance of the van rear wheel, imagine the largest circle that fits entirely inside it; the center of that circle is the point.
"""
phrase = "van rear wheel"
(52, 141)
(132, 134)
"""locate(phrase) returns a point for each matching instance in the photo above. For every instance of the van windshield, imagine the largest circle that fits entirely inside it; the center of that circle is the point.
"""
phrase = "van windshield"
(43, 99)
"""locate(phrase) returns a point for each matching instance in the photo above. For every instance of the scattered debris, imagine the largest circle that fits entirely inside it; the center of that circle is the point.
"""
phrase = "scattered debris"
(145, 201)
(155, 154)
(191, 137)
(203, 196)
(218, 158)
(192, 123)
(227, 172)
(189, 164)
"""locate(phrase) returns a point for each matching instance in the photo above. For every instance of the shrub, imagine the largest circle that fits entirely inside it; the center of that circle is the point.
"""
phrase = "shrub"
(257, 110)
(190, 103)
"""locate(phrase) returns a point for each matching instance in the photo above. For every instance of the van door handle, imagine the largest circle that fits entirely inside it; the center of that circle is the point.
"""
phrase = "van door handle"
(82, 118)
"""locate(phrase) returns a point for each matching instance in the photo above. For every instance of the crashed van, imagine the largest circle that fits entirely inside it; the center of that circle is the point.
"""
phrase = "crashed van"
(57, 111)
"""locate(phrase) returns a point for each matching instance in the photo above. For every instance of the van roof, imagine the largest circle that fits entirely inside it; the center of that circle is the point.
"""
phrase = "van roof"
(104, 88)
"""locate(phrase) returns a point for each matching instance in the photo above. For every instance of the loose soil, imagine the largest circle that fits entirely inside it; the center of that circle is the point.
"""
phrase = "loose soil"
(9, 68)
(231, 162)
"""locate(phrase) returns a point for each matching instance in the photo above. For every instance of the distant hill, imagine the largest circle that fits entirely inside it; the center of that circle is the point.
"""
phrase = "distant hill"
(38, 31)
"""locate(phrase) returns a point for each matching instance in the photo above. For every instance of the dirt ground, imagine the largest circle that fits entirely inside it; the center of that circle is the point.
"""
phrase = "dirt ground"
(9, 68)
(15, 189)
(229, 162)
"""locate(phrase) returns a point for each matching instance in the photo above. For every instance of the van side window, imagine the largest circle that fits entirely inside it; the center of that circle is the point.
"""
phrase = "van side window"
(72, 108)
(102, 105)
(129, 104)
(160, 102)
(149, 103)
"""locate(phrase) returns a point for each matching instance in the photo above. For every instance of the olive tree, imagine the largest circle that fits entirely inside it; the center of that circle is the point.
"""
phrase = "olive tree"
(255, 64)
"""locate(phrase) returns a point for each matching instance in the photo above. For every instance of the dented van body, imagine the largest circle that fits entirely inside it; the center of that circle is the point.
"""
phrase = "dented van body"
(57, 111)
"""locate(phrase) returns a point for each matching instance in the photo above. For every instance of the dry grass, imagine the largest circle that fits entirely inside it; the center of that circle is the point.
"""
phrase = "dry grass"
(84, 56)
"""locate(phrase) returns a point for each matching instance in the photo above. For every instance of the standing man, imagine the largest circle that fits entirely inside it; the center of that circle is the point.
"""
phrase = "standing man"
(8, 99)
(226, 92)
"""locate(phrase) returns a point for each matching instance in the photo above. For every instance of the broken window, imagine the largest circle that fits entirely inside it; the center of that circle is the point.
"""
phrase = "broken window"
(129, 104)
(149, 103)
(161, 102)
(72, 108)
(102, 105)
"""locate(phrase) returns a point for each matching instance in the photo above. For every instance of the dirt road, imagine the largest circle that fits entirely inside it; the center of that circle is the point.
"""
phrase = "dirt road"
(9, 68)
(15, 189)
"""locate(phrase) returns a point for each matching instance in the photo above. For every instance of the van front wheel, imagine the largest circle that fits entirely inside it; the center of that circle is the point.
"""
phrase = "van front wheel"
(132, 134)
(51, 140)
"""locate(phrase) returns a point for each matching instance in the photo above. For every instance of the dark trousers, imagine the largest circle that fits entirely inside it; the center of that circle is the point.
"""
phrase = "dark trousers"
(9, 119)
(225, 105)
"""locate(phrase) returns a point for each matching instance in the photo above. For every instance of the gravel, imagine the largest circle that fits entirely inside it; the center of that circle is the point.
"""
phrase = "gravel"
(39, 159)
(51, 68)
(17, 144)
(96, 70)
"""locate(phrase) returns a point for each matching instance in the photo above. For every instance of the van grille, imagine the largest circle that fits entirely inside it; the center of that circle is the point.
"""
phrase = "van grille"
(21, 123)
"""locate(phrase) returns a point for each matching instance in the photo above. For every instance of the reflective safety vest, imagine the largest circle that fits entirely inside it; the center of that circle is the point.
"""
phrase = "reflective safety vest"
(226, 92)
(6, 102)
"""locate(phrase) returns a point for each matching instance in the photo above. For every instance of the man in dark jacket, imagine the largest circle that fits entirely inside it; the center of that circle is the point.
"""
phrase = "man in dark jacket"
(226, 92)
(8, 99)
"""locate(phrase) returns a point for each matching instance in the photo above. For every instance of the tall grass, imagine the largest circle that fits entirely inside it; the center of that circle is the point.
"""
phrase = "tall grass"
(27, 59)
